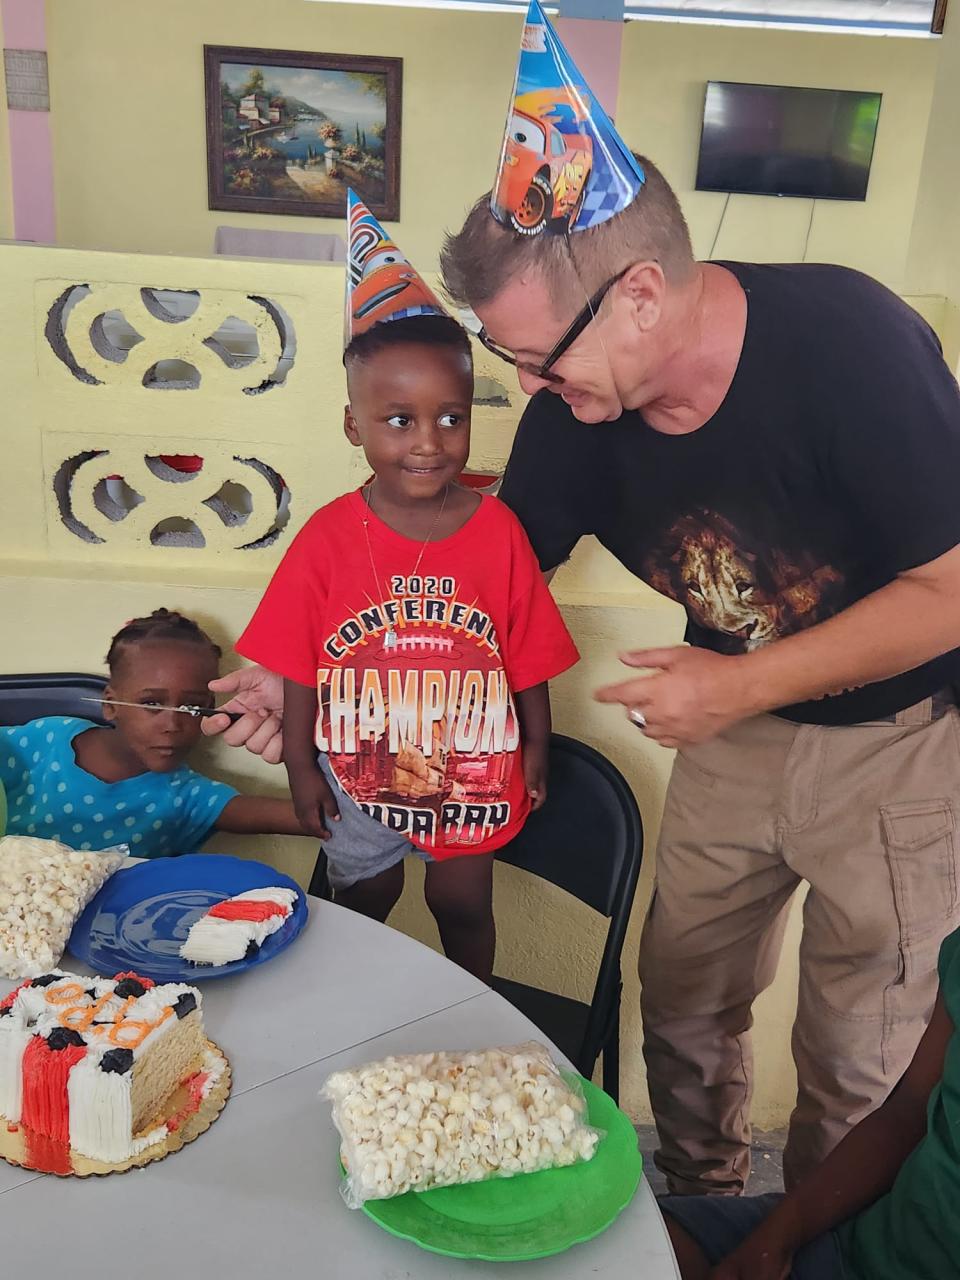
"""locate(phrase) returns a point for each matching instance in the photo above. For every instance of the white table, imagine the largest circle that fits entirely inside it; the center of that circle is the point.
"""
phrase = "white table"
(257, 1195)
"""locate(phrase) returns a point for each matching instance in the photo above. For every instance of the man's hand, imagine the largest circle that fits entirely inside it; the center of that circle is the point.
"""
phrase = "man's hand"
(691, 695)
(535, 767)
(314, 803)
(258, 694)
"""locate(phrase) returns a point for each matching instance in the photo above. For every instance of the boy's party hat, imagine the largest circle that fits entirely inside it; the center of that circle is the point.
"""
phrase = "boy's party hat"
(563, 166)
(381, 284)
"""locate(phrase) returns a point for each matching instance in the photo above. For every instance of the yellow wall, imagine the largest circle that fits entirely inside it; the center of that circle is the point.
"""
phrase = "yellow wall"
(129, 135)
(661, 101)
(128, 112)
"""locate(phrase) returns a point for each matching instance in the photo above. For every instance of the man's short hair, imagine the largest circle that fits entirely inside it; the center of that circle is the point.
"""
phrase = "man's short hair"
(483, 257)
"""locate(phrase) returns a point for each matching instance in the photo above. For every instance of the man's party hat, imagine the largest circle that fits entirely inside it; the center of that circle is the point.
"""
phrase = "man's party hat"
(563, 166)
(381, 284)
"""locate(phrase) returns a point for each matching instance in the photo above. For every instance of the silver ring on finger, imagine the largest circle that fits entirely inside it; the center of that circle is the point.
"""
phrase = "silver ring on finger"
(636, 716)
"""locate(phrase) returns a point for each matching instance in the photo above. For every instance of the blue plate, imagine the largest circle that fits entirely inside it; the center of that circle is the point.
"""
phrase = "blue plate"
(142, 915)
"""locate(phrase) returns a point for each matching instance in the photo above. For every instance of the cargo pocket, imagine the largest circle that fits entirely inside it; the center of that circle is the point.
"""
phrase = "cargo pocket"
(921, 843)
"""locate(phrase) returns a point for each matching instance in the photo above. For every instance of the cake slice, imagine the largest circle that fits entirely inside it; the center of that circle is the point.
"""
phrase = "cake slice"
(91, 1063)
(236, 928)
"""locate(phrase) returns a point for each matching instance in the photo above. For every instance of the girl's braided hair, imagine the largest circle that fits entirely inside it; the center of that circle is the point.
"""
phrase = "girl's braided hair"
(162, 624)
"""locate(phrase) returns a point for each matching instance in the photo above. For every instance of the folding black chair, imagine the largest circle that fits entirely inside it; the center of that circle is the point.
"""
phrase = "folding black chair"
(588, 840)
(29, 697)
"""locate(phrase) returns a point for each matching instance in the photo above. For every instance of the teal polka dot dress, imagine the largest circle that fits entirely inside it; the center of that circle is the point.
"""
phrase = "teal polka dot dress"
(48, 795)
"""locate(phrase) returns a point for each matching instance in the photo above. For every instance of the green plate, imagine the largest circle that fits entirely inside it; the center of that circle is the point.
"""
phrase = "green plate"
(532, 1215)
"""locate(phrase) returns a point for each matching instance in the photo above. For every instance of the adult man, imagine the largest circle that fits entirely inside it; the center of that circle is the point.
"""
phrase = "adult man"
(773, 447)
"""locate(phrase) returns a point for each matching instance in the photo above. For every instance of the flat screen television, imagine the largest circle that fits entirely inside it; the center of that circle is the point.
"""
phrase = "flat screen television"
(774, 140)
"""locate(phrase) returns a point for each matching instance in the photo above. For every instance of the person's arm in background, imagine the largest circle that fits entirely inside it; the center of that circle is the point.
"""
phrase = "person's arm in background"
(533, 712)
(313, 800)
(861, 1169)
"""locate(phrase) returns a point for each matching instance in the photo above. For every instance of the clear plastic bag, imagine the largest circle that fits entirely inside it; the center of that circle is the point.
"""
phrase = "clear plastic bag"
(437, 1119)
(44, 885)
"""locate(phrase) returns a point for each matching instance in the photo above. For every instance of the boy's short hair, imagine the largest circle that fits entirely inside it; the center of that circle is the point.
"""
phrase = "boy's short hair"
(428, 331)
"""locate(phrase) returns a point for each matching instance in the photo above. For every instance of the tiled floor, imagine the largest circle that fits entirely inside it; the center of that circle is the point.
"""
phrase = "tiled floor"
(767, 1169)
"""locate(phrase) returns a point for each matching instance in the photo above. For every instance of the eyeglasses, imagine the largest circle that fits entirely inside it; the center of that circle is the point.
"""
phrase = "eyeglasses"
(566, 341)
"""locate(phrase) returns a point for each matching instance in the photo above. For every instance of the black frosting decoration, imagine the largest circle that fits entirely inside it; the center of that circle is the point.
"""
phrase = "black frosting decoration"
(129, 987)
(118, 1060)
(186, 1004)
(61, 1037)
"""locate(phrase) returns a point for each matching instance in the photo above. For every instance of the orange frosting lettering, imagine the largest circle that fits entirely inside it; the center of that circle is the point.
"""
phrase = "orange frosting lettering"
(131, 1033)
(67, 994)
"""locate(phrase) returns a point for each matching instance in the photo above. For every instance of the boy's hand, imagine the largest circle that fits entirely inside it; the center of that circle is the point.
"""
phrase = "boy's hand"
(758, 1258)
(314, 803)
(535, 769)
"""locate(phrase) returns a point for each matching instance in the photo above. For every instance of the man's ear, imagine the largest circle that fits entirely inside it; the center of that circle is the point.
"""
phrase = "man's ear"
(350, 426)
(644, 285)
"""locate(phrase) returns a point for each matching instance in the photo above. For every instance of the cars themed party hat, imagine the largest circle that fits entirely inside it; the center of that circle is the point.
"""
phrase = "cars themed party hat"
(563, 166)
(381, 284)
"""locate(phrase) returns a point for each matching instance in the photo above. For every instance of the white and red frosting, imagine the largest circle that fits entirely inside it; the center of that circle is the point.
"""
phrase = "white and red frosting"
(237, 927)
(67, 1047)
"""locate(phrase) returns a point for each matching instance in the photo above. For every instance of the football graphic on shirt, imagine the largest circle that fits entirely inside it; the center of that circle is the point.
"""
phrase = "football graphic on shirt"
(409, 643)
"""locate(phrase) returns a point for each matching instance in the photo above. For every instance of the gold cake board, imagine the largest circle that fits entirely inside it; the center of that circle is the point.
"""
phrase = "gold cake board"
(20, 1147)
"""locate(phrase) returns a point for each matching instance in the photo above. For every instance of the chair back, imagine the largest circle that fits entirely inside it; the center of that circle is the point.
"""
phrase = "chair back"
(28, 697)
(588, 837)
(588, 840)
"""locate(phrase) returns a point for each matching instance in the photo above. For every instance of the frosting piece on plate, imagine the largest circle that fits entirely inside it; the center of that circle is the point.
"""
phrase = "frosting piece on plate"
(236, 928)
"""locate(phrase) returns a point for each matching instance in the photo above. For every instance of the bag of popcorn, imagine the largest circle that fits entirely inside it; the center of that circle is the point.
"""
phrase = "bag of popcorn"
(427, 1120)
(44, 885)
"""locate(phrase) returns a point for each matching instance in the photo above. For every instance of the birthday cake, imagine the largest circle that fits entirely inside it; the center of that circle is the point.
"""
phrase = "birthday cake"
(89, 1065)
(236, 928)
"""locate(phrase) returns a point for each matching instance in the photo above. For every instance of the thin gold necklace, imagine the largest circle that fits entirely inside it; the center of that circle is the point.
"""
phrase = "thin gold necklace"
(390, 635)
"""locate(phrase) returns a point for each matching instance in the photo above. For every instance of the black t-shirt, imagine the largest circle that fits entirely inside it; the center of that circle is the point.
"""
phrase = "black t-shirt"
(832, 465)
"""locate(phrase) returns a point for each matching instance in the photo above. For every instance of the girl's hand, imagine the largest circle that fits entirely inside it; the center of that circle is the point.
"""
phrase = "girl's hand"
(314, 803)
(535, 769)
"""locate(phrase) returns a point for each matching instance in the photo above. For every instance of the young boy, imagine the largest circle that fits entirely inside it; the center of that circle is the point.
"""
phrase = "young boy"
(882, 1206)
(416, 610)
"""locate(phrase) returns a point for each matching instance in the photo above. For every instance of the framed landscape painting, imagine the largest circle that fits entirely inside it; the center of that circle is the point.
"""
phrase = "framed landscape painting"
(289, 132)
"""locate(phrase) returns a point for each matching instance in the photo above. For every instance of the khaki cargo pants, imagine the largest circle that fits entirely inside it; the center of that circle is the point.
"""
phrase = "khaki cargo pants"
(866, 815)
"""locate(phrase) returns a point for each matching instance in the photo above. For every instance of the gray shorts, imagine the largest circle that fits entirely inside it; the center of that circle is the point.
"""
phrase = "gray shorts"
(720, 1223)
(360, 847)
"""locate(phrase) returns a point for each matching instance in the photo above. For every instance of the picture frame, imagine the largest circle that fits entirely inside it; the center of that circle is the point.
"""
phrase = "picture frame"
(288, 132)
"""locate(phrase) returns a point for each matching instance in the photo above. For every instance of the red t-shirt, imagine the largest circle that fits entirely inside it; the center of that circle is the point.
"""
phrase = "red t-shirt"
(416, 676)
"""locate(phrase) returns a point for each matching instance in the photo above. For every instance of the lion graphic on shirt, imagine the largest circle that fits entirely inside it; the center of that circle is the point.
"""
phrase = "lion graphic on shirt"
(726, 586)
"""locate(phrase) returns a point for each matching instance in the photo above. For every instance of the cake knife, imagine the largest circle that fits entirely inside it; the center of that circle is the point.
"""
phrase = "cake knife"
(196, 712)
